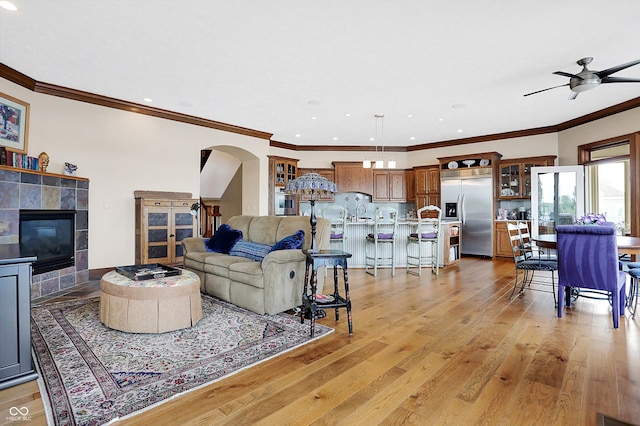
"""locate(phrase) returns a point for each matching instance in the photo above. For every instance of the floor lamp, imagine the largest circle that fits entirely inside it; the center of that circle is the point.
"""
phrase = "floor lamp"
(311, 184)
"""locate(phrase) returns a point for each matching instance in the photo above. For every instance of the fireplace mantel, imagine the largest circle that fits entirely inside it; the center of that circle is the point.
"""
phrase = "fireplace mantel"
(41, 173)
(25, 189)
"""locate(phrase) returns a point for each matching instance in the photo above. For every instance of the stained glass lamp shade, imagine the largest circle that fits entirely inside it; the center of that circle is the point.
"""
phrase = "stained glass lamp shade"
(311, 184)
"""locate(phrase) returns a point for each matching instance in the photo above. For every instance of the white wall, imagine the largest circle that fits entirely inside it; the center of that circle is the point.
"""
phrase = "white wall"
(620, 124)
(121, 152)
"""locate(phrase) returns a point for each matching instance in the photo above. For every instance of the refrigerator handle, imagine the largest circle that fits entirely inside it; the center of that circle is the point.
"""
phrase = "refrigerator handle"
(461, 207)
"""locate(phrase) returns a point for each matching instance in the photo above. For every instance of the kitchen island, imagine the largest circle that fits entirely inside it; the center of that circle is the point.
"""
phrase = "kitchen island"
(449, 242)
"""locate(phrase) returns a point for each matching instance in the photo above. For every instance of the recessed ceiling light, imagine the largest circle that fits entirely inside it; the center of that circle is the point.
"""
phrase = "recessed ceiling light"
(372, 139)
(8, 5)
(298, 135)
(347, 115)
(440, 120)
(313, 118)
(410, 116)
(459, 130)
(335, 138)
(413, 138)
(148, 100)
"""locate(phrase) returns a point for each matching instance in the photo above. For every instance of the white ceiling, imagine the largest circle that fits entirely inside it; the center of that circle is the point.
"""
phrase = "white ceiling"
(273, 65)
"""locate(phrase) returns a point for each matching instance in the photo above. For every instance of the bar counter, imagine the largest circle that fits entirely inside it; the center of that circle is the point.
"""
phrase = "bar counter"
(356, 233)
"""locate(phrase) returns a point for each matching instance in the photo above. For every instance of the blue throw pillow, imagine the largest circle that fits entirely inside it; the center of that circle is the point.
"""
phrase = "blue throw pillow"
(224, 239)
(291, 242)
(250, 250)
(206, 244)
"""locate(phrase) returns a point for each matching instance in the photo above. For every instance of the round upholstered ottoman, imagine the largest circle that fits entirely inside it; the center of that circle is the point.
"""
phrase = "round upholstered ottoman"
(150, 306)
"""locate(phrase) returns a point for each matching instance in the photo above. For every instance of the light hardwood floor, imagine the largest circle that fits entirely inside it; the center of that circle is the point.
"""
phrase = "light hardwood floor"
(428, 351)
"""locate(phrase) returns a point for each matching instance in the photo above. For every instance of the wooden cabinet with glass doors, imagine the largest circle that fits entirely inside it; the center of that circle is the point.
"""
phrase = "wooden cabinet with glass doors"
(161, 225)
(282, 170)
(514, 181)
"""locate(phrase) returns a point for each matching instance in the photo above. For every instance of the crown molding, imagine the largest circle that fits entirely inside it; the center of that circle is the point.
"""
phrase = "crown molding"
(92, 98)
(78, 95)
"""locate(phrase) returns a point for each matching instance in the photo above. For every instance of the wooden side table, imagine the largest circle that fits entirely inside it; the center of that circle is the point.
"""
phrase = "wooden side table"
(310, 304)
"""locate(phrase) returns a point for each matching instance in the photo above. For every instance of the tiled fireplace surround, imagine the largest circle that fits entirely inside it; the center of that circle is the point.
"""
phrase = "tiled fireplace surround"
(23, 189)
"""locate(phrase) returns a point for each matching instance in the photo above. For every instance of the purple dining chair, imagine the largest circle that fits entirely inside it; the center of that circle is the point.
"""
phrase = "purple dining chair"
(588, 259)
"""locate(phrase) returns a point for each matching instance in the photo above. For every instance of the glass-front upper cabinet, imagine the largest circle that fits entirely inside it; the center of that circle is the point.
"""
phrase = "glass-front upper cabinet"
(515, 176)
(557, 197)
(510, 180)
(284, 170)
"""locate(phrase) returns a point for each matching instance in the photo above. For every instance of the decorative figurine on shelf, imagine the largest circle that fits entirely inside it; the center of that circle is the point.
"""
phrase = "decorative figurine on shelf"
(70, 169)
(43, 159)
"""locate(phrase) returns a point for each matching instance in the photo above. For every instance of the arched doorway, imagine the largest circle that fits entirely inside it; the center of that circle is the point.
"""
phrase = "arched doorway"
(229, 186)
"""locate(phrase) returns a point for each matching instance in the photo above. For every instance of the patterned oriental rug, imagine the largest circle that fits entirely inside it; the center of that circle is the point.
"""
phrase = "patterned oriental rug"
(93, 374)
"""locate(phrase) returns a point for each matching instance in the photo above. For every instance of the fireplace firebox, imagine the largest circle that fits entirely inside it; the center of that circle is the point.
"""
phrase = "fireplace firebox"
(48, 235)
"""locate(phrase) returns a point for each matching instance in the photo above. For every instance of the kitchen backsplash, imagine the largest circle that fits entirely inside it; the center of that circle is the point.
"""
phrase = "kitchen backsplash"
(353, 200)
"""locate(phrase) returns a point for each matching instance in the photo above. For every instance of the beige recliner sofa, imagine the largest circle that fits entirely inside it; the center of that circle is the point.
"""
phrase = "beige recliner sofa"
(271, 286)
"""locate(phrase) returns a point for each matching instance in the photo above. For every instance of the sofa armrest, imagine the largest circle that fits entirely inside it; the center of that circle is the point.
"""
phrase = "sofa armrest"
(283, 256)
(193, 244)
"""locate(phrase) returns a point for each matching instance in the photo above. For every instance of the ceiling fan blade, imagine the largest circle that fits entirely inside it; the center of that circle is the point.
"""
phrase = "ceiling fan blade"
(573, 96)
(566, 74)
(544, 90)
(620, 80)
(611, 70)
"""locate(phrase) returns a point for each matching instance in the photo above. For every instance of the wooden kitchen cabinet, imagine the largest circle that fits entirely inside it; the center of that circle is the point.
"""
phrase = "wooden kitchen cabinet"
(433, 176)
(326, 173)
(514, 181)
(410, 181)
(161, 225)
(389, 185)
(450, 243)
(427, 186)
(503, 244)
(352, 177)
(282, 170)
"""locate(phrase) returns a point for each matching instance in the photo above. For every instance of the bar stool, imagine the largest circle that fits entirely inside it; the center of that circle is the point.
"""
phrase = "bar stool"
(338, 217)
(385, 227)
(426, 231)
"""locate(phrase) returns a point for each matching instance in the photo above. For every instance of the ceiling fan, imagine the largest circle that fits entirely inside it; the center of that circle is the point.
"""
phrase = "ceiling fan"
(588, 79)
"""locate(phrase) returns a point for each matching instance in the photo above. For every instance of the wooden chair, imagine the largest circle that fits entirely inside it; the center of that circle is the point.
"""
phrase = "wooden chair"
(425, 237)
(385, 227)
(529, 262)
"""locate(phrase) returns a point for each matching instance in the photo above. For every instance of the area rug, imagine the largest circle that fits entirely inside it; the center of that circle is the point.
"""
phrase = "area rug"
(93, 374)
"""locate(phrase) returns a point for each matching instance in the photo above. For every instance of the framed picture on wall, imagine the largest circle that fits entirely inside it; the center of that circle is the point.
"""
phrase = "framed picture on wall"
(14, 123)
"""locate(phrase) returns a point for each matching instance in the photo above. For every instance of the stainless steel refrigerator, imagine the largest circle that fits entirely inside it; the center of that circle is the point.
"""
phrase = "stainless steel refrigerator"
(467, 196)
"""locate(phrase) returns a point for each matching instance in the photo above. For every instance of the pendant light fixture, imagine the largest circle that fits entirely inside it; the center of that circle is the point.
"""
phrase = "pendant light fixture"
(379, 161)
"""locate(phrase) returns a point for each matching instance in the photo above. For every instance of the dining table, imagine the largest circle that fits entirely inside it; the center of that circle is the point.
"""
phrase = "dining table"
(626, 245)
